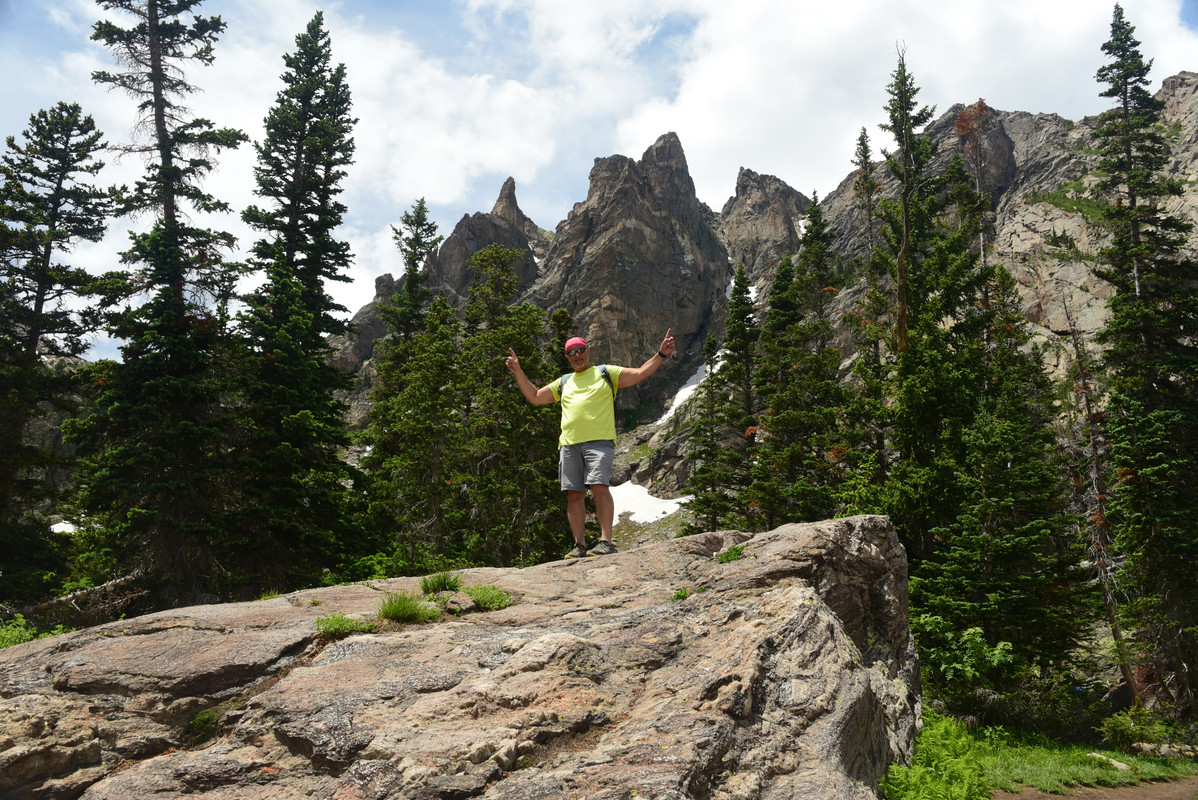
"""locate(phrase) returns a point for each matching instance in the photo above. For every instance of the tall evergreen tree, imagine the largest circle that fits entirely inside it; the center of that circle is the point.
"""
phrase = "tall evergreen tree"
(415, 441)
(156, 439)
(291, 513)
(797, 461)
(462, 466)
(1152, 356)
(865, 190)
(1003, 600)
(511, 446)
(48, 204)
(909, 218)
(417, 239)
(713, 459)
(301, 164)
(416, 380)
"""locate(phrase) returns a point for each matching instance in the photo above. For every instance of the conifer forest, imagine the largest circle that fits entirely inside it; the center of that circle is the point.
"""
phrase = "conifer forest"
(1051, 523)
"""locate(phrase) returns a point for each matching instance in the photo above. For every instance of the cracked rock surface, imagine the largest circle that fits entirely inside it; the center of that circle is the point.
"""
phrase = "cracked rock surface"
(789, 672)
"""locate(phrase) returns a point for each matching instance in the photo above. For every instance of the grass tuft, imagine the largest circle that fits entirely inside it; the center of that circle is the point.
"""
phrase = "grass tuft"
(404, 607)
(489, 598)
(338, 626)
(441, 582)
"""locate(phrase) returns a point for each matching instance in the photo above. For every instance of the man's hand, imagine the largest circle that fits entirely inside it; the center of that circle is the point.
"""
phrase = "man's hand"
(538, 397)
(667, 344)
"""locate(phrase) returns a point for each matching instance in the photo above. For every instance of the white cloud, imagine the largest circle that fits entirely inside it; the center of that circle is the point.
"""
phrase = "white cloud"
(452, 98)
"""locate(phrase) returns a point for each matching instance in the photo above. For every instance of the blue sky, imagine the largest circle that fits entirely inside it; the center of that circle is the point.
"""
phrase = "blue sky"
(455, 96)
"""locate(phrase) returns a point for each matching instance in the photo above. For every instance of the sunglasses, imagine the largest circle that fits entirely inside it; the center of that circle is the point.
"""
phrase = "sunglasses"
(576, 351)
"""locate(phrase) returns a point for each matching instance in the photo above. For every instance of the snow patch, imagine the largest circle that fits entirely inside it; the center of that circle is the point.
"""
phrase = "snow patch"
(640, 505)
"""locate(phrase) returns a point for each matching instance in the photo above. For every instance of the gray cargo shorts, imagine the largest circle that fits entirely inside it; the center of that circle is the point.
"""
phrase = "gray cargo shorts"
(586, 464)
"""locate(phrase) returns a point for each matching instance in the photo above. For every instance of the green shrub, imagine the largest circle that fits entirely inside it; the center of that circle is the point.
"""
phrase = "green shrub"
(1126, 728)
(681, 594)
(18, 630)
(202, 726)
(945, 766)
(338, 626)
(441, 582)
(489, 598)
(731, 554)
(404, 607)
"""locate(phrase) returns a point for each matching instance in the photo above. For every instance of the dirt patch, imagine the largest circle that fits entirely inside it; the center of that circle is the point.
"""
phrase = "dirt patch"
(1184, 789)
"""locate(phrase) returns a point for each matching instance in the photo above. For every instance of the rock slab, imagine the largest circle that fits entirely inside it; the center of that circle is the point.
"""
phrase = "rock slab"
(655, 673)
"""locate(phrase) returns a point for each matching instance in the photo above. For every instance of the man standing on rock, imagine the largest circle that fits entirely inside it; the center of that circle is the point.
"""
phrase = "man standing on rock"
(588, 438)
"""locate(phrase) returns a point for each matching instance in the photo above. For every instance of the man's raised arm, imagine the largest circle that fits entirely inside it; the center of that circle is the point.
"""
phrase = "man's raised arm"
(538, 397)
(632, 376)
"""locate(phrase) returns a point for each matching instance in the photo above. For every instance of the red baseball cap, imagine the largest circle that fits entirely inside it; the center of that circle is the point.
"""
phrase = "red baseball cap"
(577, 341)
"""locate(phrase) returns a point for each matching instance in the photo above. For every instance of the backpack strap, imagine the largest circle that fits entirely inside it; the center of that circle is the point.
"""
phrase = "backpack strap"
(607, 377)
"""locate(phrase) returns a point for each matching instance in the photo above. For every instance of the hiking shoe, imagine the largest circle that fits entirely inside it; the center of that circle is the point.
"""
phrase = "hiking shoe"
(579, 551)
(602, 548)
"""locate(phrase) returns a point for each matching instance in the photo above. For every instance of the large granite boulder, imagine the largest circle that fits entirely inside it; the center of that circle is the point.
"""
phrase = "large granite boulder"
(659, 672)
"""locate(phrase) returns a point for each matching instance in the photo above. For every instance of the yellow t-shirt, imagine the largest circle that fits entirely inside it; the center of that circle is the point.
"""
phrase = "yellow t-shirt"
(588, 406)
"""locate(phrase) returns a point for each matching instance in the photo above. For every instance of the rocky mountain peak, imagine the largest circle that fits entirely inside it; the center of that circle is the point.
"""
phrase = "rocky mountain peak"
(638, 256)
(760, 223)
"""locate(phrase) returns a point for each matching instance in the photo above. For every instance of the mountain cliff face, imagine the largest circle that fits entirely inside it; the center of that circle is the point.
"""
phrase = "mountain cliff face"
(642, 253)
(789, 672)
(637, 257)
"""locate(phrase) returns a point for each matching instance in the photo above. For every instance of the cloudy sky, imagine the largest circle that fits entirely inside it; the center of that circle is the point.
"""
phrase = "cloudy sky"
(455, 96)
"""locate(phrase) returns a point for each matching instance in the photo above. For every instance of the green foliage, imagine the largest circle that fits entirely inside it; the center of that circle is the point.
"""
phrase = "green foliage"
(462, 465)
(681, 594)
(405, 607)
(338, 626)
(289, 504)
(48, 204)
(801, 444)
(1012, 760)
(1152, 425)
(157, 444)
(1071, 198)
(1126, 728)
(18, 630)
(440, 582)
(945, 766)
(203, 726)
(731, 554)
(489, 598)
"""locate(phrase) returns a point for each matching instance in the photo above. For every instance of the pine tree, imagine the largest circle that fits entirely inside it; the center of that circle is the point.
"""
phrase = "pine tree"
(865, 190)
(290, 517)
(515, 509)
(909, 218)
(713, 460)
(417, 239)
(867, 411)
(1003, 600)
(415, 440)
(49, 203)
(301, 163)
(800, 446)
(1153, 361)
(462, 466)
(157, 438)
(414, 404)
